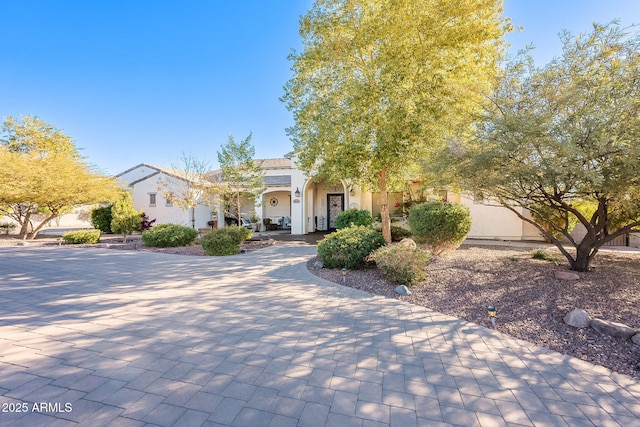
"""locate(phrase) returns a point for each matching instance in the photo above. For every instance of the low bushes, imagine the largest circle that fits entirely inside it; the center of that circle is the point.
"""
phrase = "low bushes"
(225, 241)
(401, 264)
(399, 233)
(101, 218)
(442, 226)
(353, 217)
(169, 236)
(81, 237)
(7, 226)
(349, 247)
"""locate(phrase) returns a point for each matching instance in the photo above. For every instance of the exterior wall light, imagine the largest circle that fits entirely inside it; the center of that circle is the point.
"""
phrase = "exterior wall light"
(297, 193)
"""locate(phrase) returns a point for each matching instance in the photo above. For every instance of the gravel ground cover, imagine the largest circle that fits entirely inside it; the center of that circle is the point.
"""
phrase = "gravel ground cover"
(531, 302)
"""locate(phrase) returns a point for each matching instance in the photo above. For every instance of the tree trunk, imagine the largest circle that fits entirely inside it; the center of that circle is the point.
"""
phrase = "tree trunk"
(24, 230)
(584, 255)
(239, 214)
(384, 206)
(35, 231)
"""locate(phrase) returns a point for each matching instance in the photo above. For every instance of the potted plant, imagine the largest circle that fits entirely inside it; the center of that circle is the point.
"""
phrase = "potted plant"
(255, 221)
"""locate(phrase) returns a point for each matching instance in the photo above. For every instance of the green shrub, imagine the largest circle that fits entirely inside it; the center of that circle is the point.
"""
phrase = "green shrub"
(225, 241)
(441, 225)
(7, 226)
(541, 254)
(349, 247)
(124, 217)
(169, 236)
(81, 236)
(353, 217)
(401, 264)
(101, 219)
(399, 233)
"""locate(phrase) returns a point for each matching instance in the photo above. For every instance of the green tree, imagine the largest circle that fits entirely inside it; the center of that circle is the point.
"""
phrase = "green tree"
(563, 141)
(240, 176)
(42, 175)
(124, 217)
(379, 82)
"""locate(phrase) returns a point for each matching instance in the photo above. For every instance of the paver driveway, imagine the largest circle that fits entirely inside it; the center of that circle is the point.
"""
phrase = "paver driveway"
(105, 337)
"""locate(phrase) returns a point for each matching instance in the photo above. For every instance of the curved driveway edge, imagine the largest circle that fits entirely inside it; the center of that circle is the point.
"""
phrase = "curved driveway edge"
(107, 337)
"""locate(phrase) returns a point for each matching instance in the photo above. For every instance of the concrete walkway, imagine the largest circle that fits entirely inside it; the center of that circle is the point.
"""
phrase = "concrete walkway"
(105, 337)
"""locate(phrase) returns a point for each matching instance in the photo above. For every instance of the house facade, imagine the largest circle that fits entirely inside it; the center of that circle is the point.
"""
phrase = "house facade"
(295, 201)
(150, 188)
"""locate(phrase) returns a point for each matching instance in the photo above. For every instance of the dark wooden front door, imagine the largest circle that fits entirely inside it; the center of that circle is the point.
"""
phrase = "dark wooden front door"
(335, 205)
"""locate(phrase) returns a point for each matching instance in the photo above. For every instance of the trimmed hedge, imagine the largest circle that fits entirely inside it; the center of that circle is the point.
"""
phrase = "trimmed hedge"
(399, 233)
(225, 241)
(443, 226)
(401, 264)
(101, 219)
(353, 217)
(81, 237)
(169, 236)
(349, 247)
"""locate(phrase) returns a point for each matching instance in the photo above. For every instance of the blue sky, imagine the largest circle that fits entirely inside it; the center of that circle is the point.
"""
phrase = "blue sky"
(142, 81)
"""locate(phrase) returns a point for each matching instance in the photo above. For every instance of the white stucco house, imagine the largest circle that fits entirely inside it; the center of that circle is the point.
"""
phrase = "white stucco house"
(303, 204)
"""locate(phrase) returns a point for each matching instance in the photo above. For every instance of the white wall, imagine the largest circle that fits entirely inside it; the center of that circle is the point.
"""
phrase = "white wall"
(161, 212)
(281, 209)
(496, 222)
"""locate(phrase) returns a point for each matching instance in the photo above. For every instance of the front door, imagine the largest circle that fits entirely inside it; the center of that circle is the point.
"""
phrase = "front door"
(335, 205)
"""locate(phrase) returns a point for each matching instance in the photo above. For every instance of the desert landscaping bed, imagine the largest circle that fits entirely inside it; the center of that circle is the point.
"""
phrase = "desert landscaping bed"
(530, 300)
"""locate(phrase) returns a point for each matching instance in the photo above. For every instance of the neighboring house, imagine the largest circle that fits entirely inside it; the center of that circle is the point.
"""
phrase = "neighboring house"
(306, 205)
(150, 186)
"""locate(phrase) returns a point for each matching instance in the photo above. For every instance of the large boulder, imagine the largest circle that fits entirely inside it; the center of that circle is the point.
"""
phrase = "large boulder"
(566, 275)
(614, 329)
(403, 290)
(410, 243)
(577, 318)
(636, 340)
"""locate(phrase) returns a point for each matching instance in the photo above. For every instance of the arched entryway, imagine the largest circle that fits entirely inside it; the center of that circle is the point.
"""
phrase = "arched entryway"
(323, 203)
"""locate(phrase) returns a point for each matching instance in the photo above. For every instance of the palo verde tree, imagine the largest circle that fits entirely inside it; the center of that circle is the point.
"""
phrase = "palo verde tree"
(42, 175)
(379, 82)
(240, 176)
(187, 185)
(563, 141)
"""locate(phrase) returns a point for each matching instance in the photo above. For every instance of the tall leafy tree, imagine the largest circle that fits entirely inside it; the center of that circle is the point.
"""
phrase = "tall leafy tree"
(42, 175)
(563, 141)
(240, 175)
(380, 82)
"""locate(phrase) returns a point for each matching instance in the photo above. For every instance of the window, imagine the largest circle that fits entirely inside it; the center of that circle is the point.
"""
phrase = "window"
(168, 201)
(152, 199)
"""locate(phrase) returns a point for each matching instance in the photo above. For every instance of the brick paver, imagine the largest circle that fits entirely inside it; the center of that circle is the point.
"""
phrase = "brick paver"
(104, 337)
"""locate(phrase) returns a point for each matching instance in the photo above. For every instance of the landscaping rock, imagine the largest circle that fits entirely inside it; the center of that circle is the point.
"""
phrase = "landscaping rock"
(403, 290)
(318, 264)
(566, 275)
(410, 243)
(614, 329)
(636, 339)
(577, 318)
